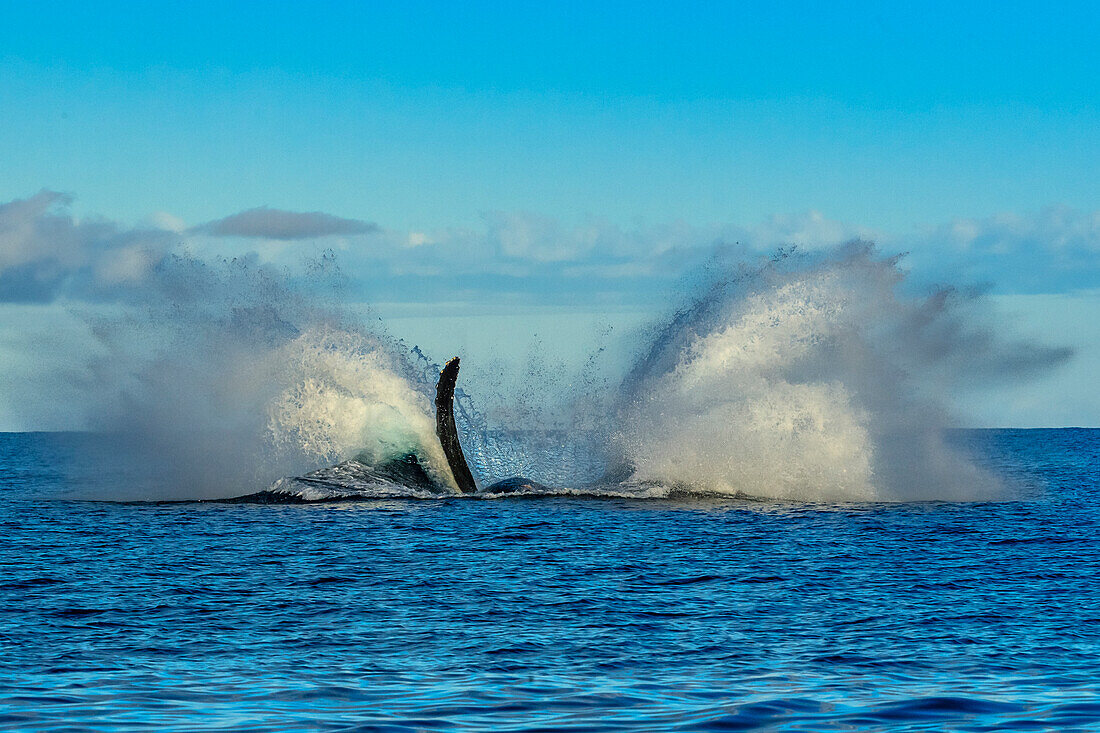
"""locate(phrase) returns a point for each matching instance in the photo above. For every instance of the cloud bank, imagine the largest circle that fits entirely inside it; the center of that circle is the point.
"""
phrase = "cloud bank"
(46, 253)
(1056, 249)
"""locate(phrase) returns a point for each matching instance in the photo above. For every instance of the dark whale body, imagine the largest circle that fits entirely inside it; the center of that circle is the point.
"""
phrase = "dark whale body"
(446, 429)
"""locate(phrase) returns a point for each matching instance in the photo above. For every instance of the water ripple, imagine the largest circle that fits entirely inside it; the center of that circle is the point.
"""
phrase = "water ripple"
(559, 614)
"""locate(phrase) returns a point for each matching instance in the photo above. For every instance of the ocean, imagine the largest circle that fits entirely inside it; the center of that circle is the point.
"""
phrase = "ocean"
(673, 611)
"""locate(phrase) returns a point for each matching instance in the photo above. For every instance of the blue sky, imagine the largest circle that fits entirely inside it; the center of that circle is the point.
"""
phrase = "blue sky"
(566, 149)
(426, 114)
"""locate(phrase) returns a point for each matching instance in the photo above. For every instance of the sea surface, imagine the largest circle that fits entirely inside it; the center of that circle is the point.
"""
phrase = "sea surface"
(689, 613)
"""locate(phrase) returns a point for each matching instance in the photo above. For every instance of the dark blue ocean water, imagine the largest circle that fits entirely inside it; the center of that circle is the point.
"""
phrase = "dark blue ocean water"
(555, 613)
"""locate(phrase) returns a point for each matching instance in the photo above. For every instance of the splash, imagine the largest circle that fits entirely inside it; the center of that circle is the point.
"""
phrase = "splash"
(236, 375)
(814, 378)
(809, 378)
(346, 397)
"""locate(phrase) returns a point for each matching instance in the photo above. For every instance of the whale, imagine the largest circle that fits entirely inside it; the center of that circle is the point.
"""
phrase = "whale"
(406, 470)
(447, 431)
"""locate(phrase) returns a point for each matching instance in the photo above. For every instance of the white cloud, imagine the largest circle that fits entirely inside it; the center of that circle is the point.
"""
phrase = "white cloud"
(167, 222)
(811, 230)
(46, 253)
(1056, 249)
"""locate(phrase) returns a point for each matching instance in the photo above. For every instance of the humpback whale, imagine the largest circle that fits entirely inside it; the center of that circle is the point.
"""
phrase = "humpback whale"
(448, 437)
(406, 470)
(447, 431)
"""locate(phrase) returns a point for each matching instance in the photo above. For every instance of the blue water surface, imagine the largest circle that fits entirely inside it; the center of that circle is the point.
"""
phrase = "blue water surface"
(548, 614)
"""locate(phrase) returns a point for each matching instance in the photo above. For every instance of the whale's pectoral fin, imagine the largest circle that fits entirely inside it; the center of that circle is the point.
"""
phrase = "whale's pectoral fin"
(447, 431)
